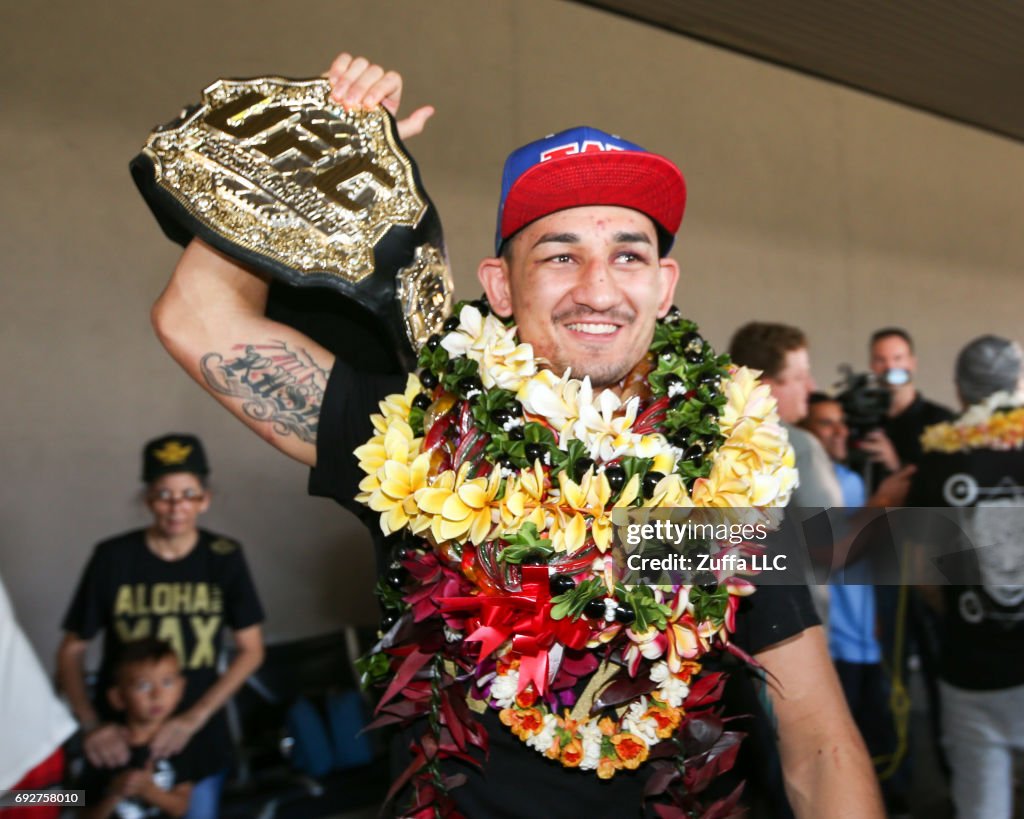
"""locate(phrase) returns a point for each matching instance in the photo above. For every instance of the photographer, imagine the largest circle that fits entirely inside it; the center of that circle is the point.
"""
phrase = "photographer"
(897, 442)
(887, 418)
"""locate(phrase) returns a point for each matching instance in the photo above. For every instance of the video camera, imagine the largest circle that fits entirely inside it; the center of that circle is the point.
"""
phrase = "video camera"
(865, 399)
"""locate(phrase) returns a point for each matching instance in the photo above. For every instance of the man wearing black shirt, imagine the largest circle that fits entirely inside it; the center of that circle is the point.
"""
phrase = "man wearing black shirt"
(977, 467)
(585, 284)
(898, 444)
(893, 362)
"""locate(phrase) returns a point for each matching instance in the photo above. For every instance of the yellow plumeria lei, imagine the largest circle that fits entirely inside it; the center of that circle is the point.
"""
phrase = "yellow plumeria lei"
(484, 444)
(752, 467)
(995, 423)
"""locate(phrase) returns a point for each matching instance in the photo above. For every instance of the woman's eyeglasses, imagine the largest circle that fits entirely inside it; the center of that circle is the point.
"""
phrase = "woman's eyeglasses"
(168, 497)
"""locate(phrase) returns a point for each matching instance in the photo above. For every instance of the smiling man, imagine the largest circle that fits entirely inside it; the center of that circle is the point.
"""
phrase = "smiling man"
(584, 270)
(585, 221)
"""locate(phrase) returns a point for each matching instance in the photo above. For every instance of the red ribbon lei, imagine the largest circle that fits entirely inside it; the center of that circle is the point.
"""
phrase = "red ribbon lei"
(525, 618)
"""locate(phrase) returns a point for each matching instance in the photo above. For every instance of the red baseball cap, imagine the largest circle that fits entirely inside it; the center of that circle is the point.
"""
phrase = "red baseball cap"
(585, 166)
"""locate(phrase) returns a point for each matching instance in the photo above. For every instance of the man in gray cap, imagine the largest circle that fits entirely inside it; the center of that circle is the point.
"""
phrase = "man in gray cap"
(976, 464)
(987, 365)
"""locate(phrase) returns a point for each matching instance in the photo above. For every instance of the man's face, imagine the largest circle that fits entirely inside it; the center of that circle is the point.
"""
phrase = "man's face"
(825, 421)
(585, 286)
(892, 353)
(792, 384)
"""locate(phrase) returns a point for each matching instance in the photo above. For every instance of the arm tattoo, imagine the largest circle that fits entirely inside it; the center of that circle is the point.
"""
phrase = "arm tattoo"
(277, 384)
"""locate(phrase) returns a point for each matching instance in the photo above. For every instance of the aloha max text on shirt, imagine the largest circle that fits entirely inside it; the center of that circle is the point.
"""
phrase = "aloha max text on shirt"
(140, 599)
(172, 607)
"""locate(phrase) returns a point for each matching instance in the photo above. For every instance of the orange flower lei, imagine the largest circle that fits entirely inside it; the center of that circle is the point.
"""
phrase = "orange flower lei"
(995, 423)
(602, 743)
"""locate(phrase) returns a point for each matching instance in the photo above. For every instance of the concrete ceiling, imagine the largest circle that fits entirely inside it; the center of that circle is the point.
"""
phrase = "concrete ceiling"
(956, 58)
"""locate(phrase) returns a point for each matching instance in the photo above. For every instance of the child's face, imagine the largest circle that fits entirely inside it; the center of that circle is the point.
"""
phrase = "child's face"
(149, 691)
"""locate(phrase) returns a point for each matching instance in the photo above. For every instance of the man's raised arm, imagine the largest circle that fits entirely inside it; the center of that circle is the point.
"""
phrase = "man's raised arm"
(211, 315)
(272, 377)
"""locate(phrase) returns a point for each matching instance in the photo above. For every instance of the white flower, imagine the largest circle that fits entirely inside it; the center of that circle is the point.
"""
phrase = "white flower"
(504, 687)
(492, 345)
(553, 398)
(606, 433)
(542, 740)
(980, 413)
(672, 689)
(636, 723)
(590, 735)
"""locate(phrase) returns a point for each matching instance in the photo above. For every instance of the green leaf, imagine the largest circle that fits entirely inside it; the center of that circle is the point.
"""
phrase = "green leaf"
(416, 421)
(458, 368)
(649, 612)
(709, 606)
(572, 603)
(560, 609)
(563, 459)
(535, 433)
(373, 668)
(389, 597)
(524, 544)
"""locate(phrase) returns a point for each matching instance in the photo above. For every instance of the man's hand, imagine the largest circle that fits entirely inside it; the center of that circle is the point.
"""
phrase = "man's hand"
(173, 736)
(880, 450)
(894, 489)
(107, 746)
(357, 83)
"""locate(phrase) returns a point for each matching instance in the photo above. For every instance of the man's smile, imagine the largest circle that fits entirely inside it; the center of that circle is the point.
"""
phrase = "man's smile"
(592, 328)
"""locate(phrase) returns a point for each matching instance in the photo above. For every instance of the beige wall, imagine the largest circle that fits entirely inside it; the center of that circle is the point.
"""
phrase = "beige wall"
(809, 203)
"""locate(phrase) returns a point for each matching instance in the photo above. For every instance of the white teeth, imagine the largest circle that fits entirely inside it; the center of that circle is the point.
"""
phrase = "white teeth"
(594, 329)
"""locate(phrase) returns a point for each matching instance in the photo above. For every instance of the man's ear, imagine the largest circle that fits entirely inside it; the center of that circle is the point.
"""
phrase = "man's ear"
(494, 276)
(669, 278)
(115, 699)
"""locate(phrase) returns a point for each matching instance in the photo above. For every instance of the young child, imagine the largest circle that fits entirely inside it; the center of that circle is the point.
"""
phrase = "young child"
(148, 685)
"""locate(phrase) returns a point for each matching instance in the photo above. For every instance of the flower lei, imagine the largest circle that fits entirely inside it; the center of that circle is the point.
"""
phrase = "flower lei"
(995, 423)
(497, 479)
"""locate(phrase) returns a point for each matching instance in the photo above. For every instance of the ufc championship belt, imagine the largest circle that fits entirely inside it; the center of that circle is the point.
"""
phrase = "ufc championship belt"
(274, 174)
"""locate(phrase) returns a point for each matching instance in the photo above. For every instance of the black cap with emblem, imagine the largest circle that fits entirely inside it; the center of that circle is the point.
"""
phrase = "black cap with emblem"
(176, 452)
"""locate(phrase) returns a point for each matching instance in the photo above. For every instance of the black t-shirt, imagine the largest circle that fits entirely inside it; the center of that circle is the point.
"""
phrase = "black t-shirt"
(904, 430)
(127, 592)
(983, 625)
(516, 780)
(167, 773)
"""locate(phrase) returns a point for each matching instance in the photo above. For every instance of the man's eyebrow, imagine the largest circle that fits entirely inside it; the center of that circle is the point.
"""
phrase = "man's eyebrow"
(622, 237)
(558, 238)
(626, 238)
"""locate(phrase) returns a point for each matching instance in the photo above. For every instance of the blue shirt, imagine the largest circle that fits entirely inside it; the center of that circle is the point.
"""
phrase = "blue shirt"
(851, 619)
